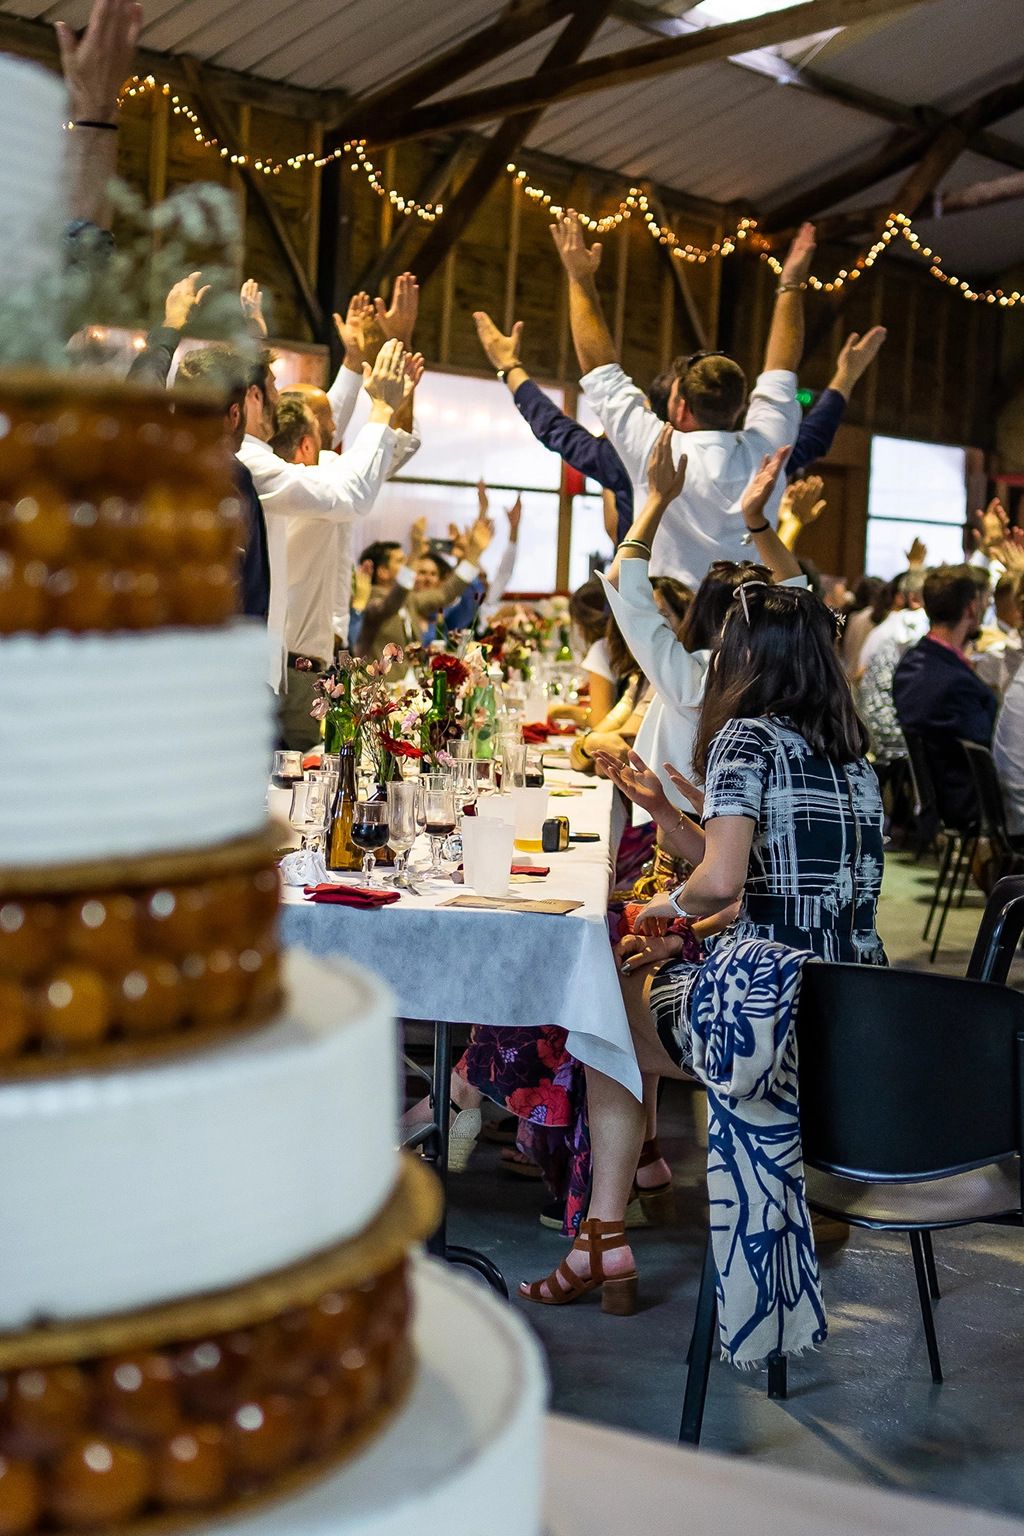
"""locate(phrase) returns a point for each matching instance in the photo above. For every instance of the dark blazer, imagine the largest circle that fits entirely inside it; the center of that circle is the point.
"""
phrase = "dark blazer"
(581, 450)
(255, 570)
(939, 695)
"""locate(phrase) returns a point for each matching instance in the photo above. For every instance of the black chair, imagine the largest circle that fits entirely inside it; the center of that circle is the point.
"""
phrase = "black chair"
(1006, 847)
(1000, 931)
(959, 842)
(911, 1105)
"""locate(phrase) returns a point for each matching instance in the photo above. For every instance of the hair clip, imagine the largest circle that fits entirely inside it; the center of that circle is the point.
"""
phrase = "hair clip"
(741, 593)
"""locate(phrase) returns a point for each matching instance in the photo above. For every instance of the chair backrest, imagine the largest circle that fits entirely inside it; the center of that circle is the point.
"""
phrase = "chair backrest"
(982, 764)
(999, 932)
(907, 1075)
(924, 785)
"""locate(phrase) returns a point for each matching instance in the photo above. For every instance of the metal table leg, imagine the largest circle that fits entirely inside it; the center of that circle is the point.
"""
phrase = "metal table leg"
(435, 1142)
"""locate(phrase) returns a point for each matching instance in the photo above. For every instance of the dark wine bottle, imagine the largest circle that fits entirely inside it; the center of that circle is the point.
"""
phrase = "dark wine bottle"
(341, 851)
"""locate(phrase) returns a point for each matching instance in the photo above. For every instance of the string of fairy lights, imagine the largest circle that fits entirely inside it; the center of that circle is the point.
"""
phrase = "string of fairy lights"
(897, 225)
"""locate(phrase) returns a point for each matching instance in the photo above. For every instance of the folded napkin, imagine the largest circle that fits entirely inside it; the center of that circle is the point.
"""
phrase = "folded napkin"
(352, 895)
(536, 733)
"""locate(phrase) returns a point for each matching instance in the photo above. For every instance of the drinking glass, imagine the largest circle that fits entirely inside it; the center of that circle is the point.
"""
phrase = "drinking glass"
(311, 804)
(531, 807)
(464, 785)
(486, 782)
(369, 832)
(287, 769)
(461, 750)
(534, 773)
(402, 806)
(513, 768)
(439, 816)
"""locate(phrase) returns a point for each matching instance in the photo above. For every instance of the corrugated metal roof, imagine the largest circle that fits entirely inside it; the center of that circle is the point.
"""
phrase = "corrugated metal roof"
(719, 131)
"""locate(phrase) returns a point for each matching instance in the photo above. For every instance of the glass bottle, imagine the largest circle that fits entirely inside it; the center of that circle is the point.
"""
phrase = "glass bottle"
(433, 720)
(341, 851)
(564, 652)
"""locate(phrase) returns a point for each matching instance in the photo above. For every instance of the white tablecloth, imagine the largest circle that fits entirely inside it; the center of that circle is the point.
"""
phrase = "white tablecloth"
(601, 1482)
(508, 969)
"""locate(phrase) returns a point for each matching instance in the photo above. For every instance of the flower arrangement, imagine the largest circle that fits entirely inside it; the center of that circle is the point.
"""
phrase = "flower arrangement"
(381, 724)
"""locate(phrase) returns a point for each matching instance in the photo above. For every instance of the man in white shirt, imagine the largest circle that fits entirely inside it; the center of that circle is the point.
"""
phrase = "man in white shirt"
(336, 489)
(704, 523)
(1008, 751)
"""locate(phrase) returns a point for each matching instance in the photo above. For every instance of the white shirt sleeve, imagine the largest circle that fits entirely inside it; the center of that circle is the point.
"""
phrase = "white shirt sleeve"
(596, 661)
(629, 423)
(1008, 751)
(774, 413)
(676, 674)
(342, 486)
(343, 394)
(406, 445)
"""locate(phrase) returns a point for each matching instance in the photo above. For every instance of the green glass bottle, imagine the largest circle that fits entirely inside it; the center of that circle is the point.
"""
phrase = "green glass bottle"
(433, 720)
(564, 652)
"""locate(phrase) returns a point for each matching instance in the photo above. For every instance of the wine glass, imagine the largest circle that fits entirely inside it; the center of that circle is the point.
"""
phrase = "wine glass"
(308, 812)
(287, 769)
(464, 783)
(369, 832)
(402, 816)
(439, 816)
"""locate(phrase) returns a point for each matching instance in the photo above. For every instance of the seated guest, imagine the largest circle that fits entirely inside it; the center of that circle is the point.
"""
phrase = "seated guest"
(884, 649)
(1008, 751)
(999, 649)
(937, 693)
(404, 599)
(792, 826)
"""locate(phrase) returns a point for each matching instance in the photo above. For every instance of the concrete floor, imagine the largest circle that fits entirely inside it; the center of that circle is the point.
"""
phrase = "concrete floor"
(863, 1408)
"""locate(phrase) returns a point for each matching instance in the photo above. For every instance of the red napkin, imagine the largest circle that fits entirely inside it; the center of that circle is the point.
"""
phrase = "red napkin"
(311, 760)
(535, 734)
(531, 869)
(352, 896)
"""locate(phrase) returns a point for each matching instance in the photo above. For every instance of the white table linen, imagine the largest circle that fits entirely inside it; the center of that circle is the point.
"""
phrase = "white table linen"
(506, 969)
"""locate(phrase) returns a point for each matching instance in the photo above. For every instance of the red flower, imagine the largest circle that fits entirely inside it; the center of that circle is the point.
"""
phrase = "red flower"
(399, 748)
(552, 1052)
(544, 1105)
(457, 670)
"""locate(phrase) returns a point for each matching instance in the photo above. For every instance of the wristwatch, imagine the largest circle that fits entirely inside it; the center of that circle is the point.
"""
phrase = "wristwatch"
(674, 904)
(503, 372)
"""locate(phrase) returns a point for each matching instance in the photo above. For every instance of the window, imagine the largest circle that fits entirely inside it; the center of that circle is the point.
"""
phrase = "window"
(916, 490)
(471, 429)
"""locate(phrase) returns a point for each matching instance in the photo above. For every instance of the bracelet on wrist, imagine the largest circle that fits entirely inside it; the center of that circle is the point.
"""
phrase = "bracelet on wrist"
(92, 122)
(636, 544)
(762, 529)
(582, 744)
(790, 288)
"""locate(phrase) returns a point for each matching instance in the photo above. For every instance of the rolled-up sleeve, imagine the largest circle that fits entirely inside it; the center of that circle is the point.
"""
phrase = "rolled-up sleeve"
(338, 491)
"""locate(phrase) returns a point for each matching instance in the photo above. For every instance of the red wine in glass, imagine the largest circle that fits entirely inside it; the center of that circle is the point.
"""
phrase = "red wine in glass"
(438, 828)
(369, 835)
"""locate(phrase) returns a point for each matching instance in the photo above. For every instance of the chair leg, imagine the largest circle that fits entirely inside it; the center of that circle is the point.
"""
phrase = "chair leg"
(929, 1264)
(940, 880)
(950, 893)
(701, 1344)
(968, 870)
(778, 1387)
(917, 1249)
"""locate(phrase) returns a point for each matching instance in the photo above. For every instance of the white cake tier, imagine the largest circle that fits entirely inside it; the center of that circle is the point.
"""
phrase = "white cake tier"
(131, 743)
(119, 1190)
(463, 1456)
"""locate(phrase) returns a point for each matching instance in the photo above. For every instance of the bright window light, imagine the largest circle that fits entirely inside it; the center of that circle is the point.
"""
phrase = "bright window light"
(718, 12)
(916, 490)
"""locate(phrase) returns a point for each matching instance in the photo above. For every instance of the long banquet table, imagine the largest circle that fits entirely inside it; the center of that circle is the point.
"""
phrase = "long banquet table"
(507, 969)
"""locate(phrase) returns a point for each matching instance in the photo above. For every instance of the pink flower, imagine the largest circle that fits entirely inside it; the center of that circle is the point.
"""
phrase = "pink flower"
(446, 759)
(392, 653)
(320, 709)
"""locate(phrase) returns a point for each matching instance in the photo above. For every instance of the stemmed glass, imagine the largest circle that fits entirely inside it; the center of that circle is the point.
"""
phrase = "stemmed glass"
(464, 783)
(402, 807)
(309, 810)
(369, 832)
(439, 816)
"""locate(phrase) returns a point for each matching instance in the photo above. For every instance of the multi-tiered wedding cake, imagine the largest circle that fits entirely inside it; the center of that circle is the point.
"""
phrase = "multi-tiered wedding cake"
(204, 1223)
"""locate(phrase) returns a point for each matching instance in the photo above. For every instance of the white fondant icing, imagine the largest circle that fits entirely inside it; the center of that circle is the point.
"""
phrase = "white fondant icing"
(127, 744)
(123, 1189)
(464, 1455)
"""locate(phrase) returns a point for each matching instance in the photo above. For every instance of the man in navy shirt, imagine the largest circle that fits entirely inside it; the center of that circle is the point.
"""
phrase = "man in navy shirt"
(937, 692)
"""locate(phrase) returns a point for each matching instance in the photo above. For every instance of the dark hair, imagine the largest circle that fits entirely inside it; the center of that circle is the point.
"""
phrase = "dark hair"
(714, 388)
(378, 553)
(620, 658)
(678, 596)
(884, 600)
(712, 601)
(948, 593)
(781, 662)
(589, 611)
(293, 420)
(444, 567)
(812, 573)
(223, 367)
(867, 593)
(1008, 586)
(658, 394)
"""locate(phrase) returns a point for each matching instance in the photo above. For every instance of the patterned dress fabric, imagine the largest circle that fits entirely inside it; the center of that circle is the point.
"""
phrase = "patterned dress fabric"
(743, 1044)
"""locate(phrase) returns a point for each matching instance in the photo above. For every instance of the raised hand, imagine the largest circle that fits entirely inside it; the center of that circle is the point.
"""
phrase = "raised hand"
(251, 299)
(502, 351)
(637, 782)
(758, 492)
(567, 233)
(480, 535)
(799, 256)
(803, 501)
(664, 478)
(514, 515)
(361, 336)
(483, 505)
(995, 525)
(858, 353)
(182, 300)
(917, 556)
(96, 67)
(418, 538)
(686, 788)
(385, 381)
(398, 322)
(415, 367)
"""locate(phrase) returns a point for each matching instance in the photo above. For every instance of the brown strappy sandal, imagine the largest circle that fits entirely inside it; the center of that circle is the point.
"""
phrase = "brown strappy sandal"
(659, 1202)
(618, 1292)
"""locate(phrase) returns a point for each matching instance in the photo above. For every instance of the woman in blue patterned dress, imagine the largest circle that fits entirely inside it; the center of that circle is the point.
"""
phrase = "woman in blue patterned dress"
(792, 827)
